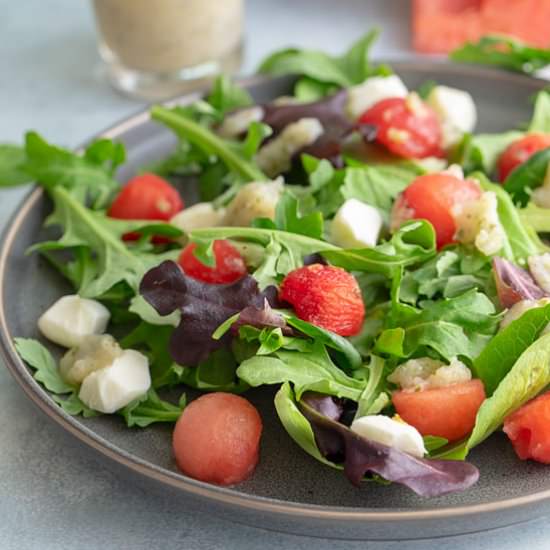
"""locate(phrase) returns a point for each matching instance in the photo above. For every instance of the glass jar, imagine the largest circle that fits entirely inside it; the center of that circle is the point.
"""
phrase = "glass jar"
(155, 49)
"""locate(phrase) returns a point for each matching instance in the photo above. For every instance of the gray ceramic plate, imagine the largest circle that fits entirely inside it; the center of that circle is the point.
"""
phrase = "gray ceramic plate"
(290, 491)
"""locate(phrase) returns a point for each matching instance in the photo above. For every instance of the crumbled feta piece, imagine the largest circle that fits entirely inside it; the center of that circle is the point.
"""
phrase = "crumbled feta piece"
(519, 308)
(275, 157)
(356, 225)
(237, 123)
(109, 389)
(539, 266)
(477, 222)
(456, 111)
(425, 373)
(254, 200)
(541, 195)
(432, 164)
(95, 352)
(394, 433)
(69, 320)
(363, 96)
(198, 216)
(455, 170)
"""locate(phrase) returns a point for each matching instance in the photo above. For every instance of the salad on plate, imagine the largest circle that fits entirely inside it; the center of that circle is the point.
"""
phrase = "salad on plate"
(357, 246)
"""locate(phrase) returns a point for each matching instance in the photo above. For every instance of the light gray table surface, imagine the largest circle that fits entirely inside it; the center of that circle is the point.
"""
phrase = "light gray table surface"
(53, 493)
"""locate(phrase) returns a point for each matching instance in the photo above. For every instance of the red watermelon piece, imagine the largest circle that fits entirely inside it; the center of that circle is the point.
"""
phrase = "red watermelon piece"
(440, 26)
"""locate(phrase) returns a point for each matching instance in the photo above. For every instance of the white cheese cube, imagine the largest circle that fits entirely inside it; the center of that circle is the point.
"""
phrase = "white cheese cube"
(113, 387)
(371, 91)
(356, 225)
(456, 111)
(72, 318)
(393, 433)
(198, 216)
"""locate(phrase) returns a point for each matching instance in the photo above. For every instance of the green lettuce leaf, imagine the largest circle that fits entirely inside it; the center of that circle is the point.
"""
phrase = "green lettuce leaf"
(311, 370)
(353, 67)
(527, 176)
(502, 352)
(114, 261)
(412, 244)
(504, 52)
(12, 170)
(541, 114)
(150, 409)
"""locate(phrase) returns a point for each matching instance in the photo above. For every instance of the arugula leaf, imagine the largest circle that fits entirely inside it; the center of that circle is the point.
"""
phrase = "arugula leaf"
(307, 370)
(12, 172)
(540, 122)
(526, 379)
(520, 241)
(216, 373)
(349, 357)
(200, 136)
(308, 89)
(89, 176)
(412, 244)
(379, 185)
(452, 327)
(226, 96)
(283, 251)
(527, 176)
(288, 219)
(40, 359)
(502, 352)
(114, 261)
(150, 408)
(481, 152)
(72, 405)
(296, 424)
(536, 217)
(504, 52)
(46, 372)
(373, 399)
(353, 67)
(451, 273)
(433, 443)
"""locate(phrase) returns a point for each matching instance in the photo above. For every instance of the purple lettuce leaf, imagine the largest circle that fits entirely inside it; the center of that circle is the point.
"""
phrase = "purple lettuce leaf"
(261, 317)
(514, 283)
(203, 308)
(426, 477)
(330, 111)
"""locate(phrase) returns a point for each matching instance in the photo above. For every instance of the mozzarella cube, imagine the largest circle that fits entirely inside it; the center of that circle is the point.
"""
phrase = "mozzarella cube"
(356, 225)
(198, 216)
(72, 318)
(390, 432)
(456, 111)
(109, 389)
(371, 91)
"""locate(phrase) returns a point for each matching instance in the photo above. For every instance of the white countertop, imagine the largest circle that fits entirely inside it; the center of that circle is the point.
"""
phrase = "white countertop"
(53, 494)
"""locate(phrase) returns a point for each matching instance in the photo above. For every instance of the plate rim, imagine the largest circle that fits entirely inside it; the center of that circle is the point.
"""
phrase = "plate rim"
(227, 495)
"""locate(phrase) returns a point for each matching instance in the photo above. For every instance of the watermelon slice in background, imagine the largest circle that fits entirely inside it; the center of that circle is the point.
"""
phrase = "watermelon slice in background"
(440, 26)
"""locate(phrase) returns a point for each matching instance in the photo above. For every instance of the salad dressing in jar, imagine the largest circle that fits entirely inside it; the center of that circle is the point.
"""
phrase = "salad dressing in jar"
(155, 49)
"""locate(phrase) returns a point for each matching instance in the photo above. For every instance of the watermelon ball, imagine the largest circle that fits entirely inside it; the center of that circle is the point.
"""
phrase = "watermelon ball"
(217, 439)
